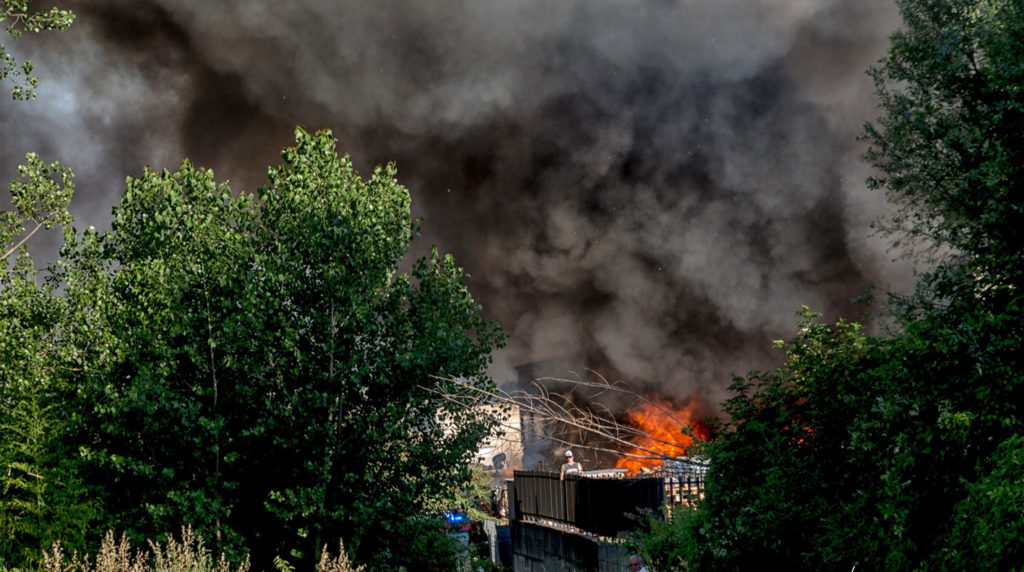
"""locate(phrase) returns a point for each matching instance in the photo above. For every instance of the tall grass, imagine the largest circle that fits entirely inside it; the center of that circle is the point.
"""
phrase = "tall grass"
(189, 554)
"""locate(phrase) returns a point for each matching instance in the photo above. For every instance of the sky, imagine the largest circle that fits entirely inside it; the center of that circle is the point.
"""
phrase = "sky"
(649, 189)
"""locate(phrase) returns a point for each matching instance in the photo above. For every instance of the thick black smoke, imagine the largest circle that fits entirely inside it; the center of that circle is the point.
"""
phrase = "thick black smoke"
(653, 186)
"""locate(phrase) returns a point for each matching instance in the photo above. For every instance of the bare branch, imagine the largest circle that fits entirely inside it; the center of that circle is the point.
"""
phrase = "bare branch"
(559, 414)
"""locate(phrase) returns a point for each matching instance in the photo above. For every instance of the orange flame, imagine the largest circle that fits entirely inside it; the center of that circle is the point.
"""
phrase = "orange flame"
(662, 424)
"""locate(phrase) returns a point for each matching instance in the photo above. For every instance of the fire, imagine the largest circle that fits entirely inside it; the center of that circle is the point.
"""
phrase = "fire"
(661, 423)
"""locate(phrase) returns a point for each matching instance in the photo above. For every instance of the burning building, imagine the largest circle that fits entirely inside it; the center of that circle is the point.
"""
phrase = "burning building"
(608, 424)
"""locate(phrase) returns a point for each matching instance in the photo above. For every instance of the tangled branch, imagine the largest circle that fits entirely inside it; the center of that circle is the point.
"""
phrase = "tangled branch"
(567, 422)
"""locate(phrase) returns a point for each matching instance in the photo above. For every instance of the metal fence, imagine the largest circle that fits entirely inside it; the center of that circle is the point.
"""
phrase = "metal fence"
(604, 507)
(541, 549)
(684, 489)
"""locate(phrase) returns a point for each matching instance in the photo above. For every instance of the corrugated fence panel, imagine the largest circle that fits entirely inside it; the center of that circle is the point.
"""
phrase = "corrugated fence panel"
(610, 506)
(599, 506)
(538, 548)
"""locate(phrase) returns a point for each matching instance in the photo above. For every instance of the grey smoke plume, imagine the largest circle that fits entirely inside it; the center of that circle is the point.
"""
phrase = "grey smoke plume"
(653, 185)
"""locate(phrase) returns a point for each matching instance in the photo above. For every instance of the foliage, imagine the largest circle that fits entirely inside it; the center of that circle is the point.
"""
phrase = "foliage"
(988, 526)
(948, 146)
(901, 452)
(949, 149)
(40, 197)
(859, 451)
(43, 497)
(473, 500)
(252, 365)
(275, 383)
(18, 18)
(422, 545)
(668, 540)
(788, 466)
(339, 563)
(190, 554)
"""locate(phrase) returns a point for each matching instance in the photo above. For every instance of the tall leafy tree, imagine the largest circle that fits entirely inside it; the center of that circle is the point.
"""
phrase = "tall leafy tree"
(41, 333)
(950, 152)
(948, 146)
(793, 478)
(903, 452)
(282, 384)
(47, 332)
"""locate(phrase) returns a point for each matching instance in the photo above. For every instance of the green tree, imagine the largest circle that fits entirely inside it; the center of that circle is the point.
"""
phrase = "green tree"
(18, 18)
(987, 524)
(667, 541)
(899, 452)
(791, 476)
(949, 148)
(862, 451)
(41, 334)
(46, 333)
(281, 385)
